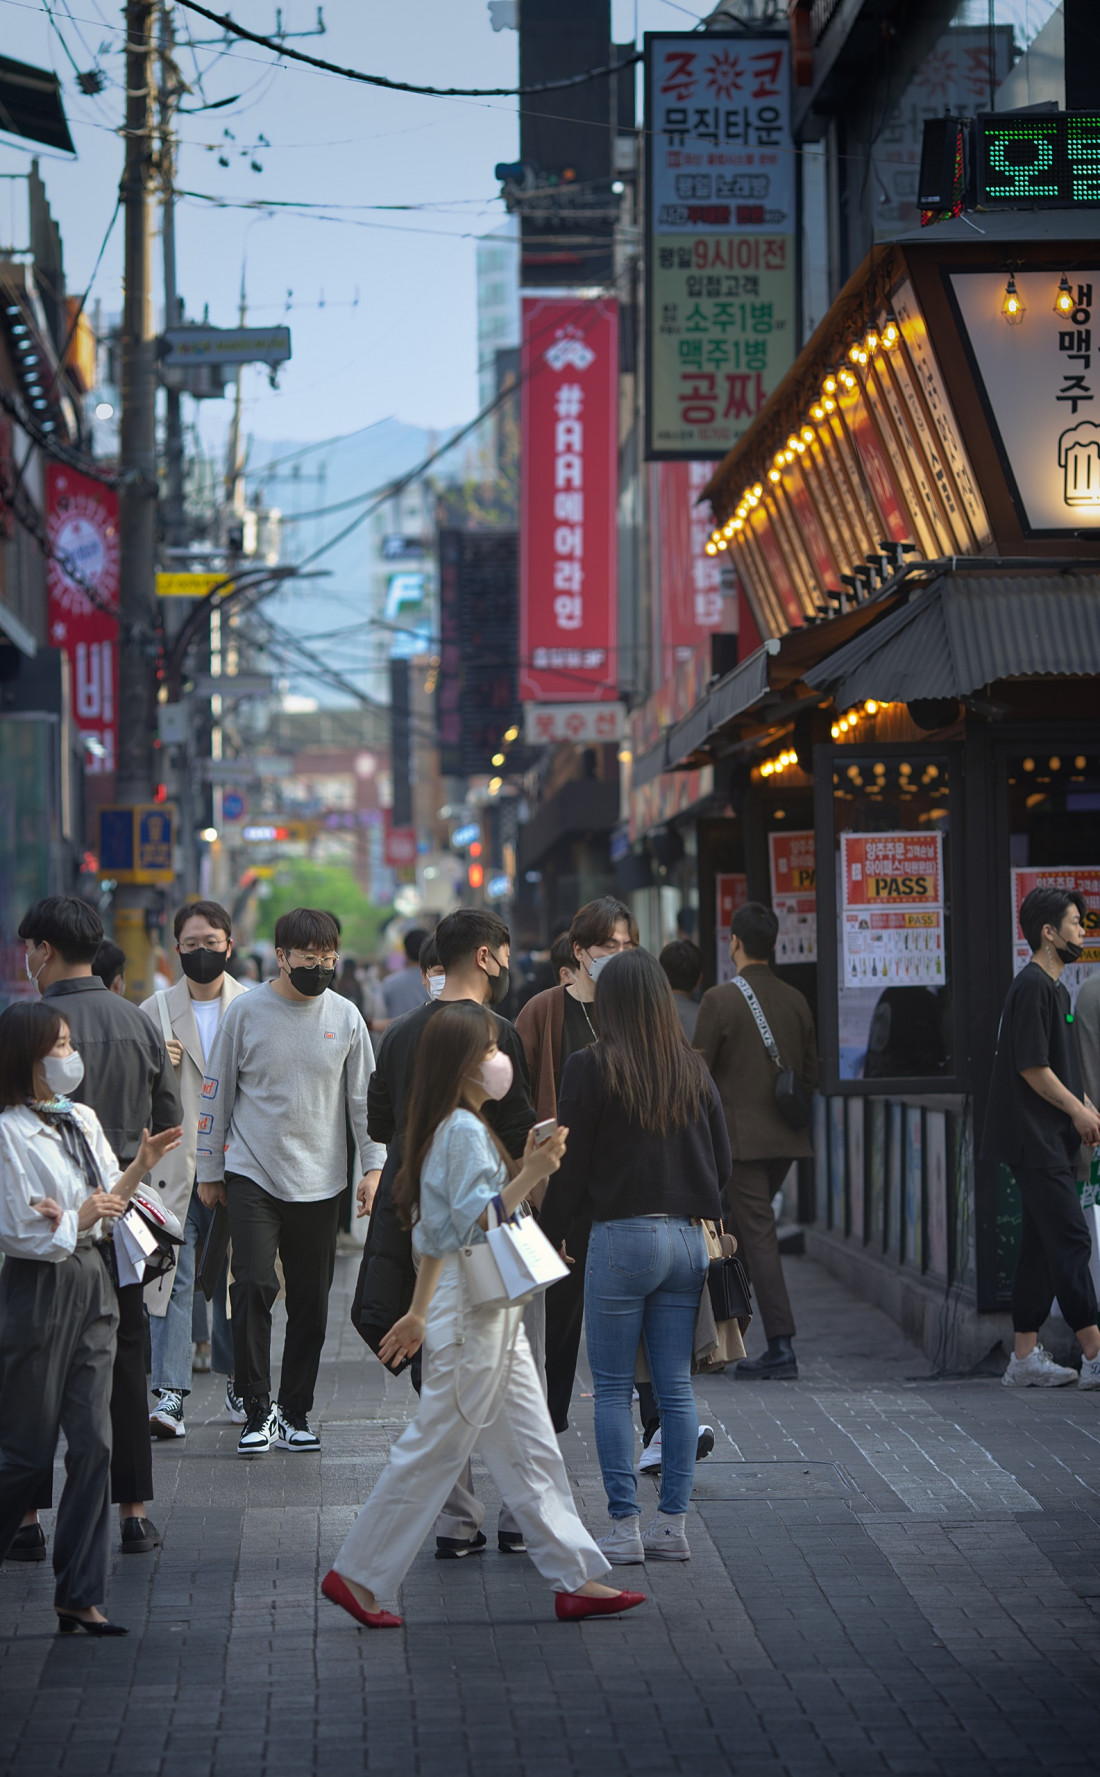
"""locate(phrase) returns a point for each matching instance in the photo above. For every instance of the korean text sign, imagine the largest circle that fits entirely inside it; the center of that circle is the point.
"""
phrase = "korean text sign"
(794, 895)
(893, 909)
(720, 228)
(1078, 879)
(731, 891)
(82, 525)
(692, 603)
(569, 409)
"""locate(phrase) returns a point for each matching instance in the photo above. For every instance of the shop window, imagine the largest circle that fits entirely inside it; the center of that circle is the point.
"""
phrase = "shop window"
(891, 812)
(1054, 836)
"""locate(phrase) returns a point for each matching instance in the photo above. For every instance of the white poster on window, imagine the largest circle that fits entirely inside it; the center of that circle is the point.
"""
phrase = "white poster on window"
(794, 895)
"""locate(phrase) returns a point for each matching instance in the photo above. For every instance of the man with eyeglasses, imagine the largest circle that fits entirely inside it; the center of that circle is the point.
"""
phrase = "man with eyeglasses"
(187, 1016)
(290, 1061)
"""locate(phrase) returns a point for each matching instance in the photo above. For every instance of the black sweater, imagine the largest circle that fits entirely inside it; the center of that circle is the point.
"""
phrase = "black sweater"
(614, 1169)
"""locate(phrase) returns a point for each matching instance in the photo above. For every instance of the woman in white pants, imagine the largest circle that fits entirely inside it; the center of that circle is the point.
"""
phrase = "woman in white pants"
(480, 1385)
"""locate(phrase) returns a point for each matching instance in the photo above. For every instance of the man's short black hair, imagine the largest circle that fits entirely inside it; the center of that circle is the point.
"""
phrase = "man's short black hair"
(109, 962)
(464, 931)
(414, 943)
(306, 928)
(561, 955)
(757, 928)
(1046, 906)
(429, 954)
(595, 922)
(72, 926)
(212, 911)
(682, 962)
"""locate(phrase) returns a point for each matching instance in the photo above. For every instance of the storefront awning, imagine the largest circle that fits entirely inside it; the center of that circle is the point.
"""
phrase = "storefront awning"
(965, 631)
(732, 694)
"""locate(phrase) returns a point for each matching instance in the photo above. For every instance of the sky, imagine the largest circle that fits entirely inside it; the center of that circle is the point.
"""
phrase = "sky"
(397, 333)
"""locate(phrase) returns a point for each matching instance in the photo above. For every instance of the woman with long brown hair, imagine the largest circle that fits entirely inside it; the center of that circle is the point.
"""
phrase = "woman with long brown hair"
(479, 1381)
(648, 1155)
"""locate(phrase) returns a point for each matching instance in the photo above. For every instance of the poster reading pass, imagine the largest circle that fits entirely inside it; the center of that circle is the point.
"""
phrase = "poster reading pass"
(892, 913)
(1079, 879)
(794, 896)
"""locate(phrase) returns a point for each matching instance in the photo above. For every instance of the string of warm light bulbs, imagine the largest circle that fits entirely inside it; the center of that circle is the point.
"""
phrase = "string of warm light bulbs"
(852, 717)
(782, 762)
(1014, 310)
(859, 353)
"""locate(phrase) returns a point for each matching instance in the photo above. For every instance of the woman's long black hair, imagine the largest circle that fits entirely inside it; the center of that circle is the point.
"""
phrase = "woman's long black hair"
(451, 1050)
(648, 1065)
(28, 1031)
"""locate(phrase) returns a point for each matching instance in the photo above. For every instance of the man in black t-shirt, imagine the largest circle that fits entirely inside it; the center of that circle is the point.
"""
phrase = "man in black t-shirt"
(1036, 1120)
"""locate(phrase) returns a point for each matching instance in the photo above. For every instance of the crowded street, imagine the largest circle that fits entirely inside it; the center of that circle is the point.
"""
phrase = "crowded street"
(889, 1573)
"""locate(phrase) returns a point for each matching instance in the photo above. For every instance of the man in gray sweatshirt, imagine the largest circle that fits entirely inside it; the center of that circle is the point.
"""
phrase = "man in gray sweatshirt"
(289, 1060)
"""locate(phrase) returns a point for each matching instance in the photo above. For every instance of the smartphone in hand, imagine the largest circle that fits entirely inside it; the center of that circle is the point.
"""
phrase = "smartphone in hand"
(543, 1131)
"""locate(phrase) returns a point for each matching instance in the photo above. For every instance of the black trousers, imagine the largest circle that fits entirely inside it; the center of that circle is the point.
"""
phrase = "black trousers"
(131, 1441)
(303, 1235)
(1055, 1248)
(57, 1342)
(564, 1318)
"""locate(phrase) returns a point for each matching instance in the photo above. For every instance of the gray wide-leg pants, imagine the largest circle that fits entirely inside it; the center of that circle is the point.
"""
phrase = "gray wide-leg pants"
(57, 1348)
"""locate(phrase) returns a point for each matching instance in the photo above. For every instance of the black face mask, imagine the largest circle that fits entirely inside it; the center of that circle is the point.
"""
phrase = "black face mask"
(311, 981)
(1068, 952)
(499, 986)
(203, 966)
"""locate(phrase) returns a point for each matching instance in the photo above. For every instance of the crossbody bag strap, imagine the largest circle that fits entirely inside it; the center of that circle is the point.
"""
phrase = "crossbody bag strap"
(162, 1008)
(762, 1024)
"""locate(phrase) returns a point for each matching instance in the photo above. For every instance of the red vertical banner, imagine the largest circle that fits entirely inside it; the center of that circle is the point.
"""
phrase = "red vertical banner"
(692, 604)
(570, 419)
(82, 525)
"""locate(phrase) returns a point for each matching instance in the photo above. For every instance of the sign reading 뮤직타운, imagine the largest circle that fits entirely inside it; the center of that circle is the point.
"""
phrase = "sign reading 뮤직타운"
(720, 237)
(1041, 391)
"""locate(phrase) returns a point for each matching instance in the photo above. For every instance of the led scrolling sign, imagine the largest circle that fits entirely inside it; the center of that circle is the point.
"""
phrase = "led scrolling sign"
(1051, 161)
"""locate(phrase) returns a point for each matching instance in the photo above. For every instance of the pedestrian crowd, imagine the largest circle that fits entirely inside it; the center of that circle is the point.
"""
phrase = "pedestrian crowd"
(168, 1172)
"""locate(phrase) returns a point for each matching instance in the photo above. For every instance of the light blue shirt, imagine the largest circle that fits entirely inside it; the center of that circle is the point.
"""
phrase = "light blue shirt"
(459, 1179)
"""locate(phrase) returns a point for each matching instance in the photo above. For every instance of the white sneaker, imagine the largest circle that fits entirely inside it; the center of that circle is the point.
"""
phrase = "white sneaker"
(650, 1463)
(666, 1539)
(166, 1419)
(1090, 1373)
(623, 1543)
(1038, 1370)
(259, 1432)
(294, 1432)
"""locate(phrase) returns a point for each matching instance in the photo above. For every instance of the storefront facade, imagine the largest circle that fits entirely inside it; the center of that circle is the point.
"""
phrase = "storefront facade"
(915, 520)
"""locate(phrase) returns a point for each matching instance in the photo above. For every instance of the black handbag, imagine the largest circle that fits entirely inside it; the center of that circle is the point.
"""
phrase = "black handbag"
(728, 1285)
(792, 1099)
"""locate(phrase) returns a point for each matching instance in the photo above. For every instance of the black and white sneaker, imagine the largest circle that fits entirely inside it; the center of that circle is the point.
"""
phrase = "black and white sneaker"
(294, 1432)
(456, 1548)
(166, 1419)
(234, 1404)
(259, 1430)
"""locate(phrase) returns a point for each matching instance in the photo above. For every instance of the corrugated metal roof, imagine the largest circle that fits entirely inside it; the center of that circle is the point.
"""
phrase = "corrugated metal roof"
(965, 632)
(737, 691)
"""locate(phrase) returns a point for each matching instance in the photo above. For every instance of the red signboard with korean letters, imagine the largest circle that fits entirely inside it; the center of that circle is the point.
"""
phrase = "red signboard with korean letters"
(570, 379)
(692, 603)
(82, 524)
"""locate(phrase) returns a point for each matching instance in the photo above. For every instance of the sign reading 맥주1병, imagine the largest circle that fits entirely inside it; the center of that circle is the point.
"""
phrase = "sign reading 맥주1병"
(720, 237)
(1041, 379)
(893, 909)
(569, 416)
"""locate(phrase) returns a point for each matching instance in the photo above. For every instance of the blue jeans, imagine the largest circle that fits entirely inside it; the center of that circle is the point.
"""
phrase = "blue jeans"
(170, 1334)
(642, 1284)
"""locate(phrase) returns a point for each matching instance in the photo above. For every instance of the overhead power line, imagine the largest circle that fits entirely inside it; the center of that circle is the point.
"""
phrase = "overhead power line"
(405, 86)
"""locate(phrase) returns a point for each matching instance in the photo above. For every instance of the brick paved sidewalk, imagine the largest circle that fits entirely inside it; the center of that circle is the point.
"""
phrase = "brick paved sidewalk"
(888, 1574)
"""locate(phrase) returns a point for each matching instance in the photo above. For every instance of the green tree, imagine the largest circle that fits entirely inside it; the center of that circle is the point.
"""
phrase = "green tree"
(332, 887)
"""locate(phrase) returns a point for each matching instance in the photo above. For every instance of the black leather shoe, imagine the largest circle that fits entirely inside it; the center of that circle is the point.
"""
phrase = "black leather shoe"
(777, 1364)
(29, 1544)
(510, 1542)
(139, 1536)
(453, 1548)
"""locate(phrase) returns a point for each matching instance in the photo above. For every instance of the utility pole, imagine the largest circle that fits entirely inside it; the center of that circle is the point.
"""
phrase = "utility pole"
(174, 529)
(138, 485)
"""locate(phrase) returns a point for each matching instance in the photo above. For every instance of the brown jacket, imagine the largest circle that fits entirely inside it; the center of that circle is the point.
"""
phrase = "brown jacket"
(742, 1068)
(539, 1025)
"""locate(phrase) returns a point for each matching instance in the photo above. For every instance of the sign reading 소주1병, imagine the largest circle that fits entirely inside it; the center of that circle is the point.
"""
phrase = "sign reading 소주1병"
(892, 911)
(720, 237)
(569, 418)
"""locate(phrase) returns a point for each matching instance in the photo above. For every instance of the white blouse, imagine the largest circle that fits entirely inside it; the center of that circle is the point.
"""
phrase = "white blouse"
(33, 1165)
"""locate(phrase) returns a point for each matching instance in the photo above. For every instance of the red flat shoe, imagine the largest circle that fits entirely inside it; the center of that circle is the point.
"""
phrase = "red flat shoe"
(337, 1591)
(571, 1606)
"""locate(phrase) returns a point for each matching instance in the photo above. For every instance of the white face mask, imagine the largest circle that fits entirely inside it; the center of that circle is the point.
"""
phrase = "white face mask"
(436, 984)
(62, 1073)
(31, 976)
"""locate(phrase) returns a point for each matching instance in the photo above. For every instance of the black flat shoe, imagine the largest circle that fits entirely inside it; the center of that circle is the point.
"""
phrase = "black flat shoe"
(510, 1542)
(29, 1544)
(68, 1625)
(455, 1548)
(139, 1536)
